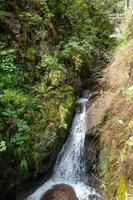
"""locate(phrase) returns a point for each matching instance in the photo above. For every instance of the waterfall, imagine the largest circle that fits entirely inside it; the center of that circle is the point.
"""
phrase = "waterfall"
(69, 166)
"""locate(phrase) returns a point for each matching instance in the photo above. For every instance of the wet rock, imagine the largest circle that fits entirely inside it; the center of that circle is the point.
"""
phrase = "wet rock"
(79, 108)
(92, 152)
(91, 157)
(86, 94)
(94, 197)
(80, 105)
(60, 192)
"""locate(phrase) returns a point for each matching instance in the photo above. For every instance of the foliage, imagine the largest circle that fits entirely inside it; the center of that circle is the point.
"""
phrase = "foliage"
(30, 16)
(127, 27)
(3, 14)
(7, 66)
(46, 50)
(78, 51)
(55, 73)
(2, 146)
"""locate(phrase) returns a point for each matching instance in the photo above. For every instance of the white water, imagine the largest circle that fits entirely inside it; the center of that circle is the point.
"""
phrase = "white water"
(69, 165)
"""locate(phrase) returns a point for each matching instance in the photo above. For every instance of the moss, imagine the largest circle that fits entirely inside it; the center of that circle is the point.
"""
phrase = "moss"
(62, 106)
(31, 54)
(24, 34)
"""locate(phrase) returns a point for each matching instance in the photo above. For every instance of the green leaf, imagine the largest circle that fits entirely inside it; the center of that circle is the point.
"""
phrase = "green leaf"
(24, 165)
(3, 146)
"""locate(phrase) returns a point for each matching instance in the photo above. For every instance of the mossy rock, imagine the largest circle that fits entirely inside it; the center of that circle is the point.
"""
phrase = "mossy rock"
(62, 105)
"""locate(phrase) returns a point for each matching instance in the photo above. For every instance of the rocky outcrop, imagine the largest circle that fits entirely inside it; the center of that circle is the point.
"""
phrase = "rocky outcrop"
(97, 111)
(60, 192)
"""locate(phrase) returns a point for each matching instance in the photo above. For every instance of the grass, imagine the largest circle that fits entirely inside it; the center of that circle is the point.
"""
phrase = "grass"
(117, 142)
(117, 128)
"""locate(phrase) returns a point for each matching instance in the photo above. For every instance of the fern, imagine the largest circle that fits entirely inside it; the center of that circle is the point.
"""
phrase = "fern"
(3, 14)
(24, 165)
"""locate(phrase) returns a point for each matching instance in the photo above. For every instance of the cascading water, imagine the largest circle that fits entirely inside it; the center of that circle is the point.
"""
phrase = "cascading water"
(69, 166)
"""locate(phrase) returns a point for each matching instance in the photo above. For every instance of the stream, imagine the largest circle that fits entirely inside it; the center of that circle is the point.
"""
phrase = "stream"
(70, 167)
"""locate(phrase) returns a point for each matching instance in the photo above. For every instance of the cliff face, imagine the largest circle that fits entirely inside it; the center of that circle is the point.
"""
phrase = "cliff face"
(117, 126)
(111, 117)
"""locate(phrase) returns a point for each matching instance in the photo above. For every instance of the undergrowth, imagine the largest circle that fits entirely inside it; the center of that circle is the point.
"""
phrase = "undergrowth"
(117, 128)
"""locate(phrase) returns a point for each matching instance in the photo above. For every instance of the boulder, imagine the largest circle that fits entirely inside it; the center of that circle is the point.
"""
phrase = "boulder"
(60, 192)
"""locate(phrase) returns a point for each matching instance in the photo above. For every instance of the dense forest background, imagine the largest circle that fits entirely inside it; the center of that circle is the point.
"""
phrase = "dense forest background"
(48, 50)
